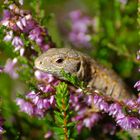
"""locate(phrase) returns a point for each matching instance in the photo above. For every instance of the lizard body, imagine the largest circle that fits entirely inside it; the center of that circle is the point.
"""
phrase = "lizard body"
(85, 68)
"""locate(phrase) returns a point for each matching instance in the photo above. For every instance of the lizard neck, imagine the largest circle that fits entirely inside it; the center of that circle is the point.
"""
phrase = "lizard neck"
(85, 72)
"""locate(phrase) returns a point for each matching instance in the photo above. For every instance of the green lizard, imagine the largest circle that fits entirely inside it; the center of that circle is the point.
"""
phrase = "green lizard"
(85, 68)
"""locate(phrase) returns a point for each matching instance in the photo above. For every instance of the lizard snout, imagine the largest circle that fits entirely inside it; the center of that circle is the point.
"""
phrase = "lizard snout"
(38, 63)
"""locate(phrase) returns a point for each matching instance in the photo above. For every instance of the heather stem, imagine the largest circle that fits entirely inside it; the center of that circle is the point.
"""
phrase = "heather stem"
(38, 7)
(65, 120)
(63, 114)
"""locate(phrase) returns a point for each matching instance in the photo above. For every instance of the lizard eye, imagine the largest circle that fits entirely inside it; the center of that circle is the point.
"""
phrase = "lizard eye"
(60, 60)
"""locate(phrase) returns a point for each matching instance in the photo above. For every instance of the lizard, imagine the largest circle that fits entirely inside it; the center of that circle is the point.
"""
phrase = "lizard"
(96, 76)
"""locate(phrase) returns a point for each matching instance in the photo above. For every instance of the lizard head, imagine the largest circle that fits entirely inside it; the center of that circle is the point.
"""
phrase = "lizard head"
(56, 59)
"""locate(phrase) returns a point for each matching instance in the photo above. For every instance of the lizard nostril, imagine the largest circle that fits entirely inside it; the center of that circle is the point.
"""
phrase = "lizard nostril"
(40, 62)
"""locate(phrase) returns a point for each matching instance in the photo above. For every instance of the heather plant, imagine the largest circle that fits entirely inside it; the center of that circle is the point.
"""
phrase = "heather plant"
(37, 105)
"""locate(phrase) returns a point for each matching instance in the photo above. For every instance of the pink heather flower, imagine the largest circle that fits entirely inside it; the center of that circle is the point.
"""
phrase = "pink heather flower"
(77, 102)
(90, 122)
(36, 103)
(137, 85)
(9, 36)
(21, 2)
(1, 69)
(42, 76)
(25, 106)
(40, 104)
(45, 47)
(81, 25)
(17, 42)
(130, 103)
(6, 14)
(87, 123)
(48, 135)
(100, 103)
(5, 22)
(35, 33)
(21, 21)
(138, 100)
(115, 110)
(46, 88)
(138, 55)
(10, 68)
(129, 122)
(79, 126)
(39, 112)
(80, 35)
(34, 97)
(133, 103)
(80, 38)
(39, 40)
(20, 25)
(52, 100)
(89, 100)
(75, 15)
(1, 130)
(78, 118)
(30, 25)
(44, 103)
(1, 127)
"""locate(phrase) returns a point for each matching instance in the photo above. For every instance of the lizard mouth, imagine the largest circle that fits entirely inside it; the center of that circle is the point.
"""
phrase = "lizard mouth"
(46, 70)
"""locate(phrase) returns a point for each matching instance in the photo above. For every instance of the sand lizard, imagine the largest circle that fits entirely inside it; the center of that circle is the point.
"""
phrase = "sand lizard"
(85, 68)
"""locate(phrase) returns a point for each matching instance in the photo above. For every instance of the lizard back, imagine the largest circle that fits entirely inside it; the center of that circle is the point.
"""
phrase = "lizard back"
(108, 82)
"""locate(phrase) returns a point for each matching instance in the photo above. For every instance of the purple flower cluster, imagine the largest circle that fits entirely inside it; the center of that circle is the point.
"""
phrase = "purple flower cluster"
(38, 103)
(86, 107)
(86, 120)
(85, 116)
(19, 22)
(134, 104)
(81, 29)
(34, 105)
(125, 119)
(10, 68)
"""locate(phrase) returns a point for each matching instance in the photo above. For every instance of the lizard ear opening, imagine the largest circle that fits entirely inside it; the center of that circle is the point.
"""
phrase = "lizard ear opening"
(78, 66)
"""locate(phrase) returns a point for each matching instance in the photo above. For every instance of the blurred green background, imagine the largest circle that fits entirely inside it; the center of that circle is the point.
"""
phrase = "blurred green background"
(114, 45)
